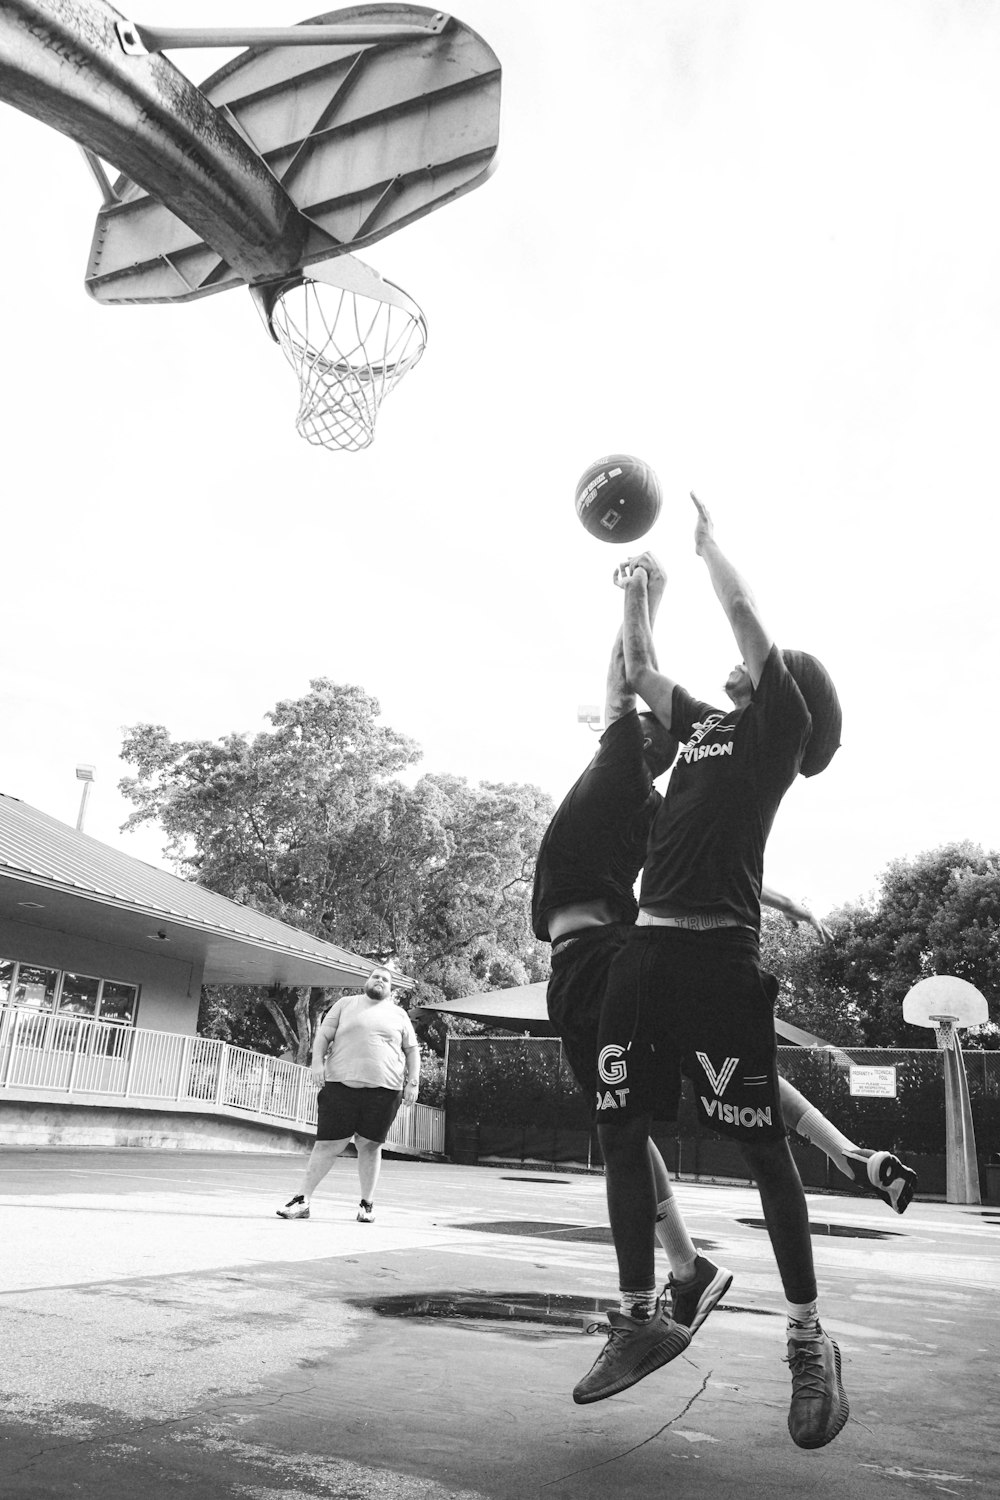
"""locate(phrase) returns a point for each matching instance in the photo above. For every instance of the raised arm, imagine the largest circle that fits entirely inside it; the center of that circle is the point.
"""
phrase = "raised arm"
(619, 696)
(734, 595)
(640, 580)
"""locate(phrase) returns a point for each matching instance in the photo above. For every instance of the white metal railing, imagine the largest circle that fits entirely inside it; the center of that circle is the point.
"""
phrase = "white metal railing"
(85, 1060)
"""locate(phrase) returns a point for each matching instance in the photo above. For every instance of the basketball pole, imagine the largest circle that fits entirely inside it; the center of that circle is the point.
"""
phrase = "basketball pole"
(961, 1165)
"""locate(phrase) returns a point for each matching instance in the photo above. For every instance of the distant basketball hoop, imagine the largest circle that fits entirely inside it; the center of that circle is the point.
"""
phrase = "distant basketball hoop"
(350, 337)
(945, 1004)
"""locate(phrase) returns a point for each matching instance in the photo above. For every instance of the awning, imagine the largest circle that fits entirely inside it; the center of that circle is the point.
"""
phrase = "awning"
(523, 1009)
(58, 880)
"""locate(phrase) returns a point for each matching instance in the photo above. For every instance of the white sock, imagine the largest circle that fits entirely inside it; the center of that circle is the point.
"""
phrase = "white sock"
(803, 1319)
(639, 1305)
(672, 1234)
(825, 1135)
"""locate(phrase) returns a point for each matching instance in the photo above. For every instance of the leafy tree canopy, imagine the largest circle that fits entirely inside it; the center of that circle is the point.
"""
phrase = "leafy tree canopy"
(309, 822)
(938, 913)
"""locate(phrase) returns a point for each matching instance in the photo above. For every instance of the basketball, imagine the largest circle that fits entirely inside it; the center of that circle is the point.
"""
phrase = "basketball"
(618, 498)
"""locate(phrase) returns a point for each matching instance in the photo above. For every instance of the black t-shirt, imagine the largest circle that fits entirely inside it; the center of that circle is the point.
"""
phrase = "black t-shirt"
(596, 842)
(706, 846)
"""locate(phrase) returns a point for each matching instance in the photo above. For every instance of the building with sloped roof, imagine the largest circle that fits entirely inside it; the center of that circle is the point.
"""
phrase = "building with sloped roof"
(88, 930)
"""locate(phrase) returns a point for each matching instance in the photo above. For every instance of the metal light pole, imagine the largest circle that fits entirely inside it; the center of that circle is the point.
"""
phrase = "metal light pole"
(86, 774)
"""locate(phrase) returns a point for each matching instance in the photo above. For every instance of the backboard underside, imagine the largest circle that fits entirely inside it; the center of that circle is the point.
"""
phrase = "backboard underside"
(364, 138)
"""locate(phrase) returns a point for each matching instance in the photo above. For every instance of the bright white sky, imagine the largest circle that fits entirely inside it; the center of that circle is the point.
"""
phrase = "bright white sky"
(755, 242)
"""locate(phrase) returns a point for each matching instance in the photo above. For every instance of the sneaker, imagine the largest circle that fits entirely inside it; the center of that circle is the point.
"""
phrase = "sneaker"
(295, 1208)
(891, 1180)
(633, 1350)
(366, 1214)
(692, 1301)
(819, 1406)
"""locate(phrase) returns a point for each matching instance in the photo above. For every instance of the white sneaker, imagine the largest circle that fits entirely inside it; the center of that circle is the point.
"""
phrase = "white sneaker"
(295, 1208)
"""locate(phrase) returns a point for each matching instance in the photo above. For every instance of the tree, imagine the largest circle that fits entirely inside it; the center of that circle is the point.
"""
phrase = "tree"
(938, 913)
(808, 994)
(309, 822)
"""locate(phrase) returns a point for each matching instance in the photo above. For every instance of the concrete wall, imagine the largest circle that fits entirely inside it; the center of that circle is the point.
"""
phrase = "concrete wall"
(46, 1123)
(170, 987)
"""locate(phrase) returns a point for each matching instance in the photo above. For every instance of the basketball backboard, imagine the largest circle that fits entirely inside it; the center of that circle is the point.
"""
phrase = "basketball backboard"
(362, 136)
(316, 140)
(944, 998)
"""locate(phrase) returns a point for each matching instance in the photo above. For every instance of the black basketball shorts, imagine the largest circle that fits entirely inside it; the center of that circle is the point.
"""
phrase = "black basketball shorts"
(575, 999)
(695, 1003)
(575, 993)
(343, 1112)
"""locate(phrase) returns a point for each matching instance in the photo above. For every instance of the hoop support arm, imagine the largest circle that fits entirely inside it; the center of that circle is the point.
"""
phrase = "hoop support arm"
(60, 61)
(137, 39)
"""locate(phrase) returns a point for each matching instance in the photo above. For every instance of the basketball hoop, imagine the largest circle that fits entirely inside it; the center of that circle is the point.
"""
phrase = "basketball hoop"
(944, 1028)
(350, 337)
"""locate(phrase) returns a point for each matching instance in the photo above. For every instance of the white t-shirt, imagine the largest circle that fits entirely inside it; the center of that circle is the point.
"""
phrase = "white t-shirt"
(368, 1044)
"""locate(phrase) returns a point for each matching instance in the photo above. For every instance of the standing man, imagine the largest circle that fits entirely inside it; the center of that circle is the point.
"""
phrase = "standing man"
(687, 989)
(365, 1063)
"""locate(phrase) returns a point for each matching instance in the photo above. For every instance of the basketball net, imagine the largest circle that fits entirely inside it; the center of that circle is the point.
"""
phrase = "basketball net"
(947, 1036)
(350, 337)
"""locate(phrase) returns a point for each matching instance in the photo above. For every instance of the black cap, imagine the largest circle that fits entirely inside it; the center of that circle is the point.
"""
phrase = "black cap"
(816, 686)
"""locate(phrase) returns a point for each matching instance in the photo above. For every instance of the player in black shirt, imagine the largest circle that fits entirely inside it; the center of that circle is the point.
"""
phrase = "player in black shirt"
(687, 989)
(584, 904)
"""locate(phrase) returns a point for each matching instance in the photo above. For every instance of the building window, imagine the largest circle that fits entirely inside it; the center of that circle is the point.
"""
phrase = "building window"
(34, 987)
(79, 995)
(118, 1002)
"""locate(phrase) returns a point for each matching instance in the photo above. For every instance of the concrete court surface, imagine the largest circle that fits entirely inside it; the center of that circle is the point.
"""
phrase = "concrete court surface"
(165, 1334)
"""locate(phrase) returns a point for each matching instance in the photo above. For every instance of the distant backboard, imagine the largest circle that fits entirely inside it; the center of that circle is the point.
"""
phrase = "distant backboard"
(943, 997)
(363, 137)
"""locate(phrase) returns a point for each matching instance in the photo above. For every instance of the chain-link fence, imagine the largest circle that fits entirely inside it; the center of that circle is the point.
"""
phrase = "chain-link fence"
(514, 1098)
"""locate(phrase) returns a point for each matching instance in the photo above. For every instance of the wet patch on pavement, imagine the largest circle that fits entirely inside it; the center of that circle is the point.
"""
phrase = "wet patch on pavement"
(521, 1314)
(547, 1181)
(836, 1231)
(550, 1229)
(552, 1311)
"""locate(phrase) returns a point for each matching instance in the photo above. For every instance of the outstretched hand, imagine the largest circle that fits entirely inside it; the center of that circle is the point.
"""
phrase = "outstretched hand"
(704, 531)
(626, 572)
(644, 563)
(798, 913)
(822, 931)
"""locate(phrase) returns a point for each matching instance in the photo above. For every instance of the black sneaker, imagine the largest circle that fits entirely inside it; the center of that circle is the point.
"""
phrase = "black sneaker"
(295, 1208)
(634, 1349)
(819, 1406)
(891, 1180)
(885, 1175)
(694, 1300)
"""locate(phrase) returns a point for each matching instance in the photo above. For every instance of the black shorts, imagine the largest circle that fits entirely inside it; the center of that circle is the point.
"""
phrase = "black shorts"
(695, 1003)
(343, 1112)
(575, 1000)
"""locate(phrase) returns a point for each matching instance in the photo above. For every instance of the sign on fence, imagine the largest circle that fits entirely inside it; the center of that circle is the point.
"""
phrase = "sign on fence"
(873, 1083)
